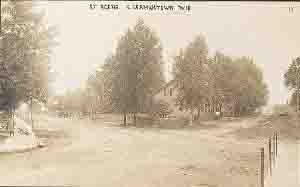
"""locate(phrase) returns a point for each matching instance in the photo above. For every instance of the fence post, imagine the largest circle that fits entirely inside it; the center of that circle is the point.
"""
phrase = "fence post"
(274, 145)
(270, 155)
(262, 168)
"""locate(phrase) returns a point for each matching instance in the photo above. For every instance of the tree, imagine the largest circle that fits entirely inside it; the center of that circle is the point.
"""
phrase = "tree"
(292, 80)
(25, 46)
(217, 81)
(135, 70)
(252, 91)
(191, 72)
(239, 82)
(161, 109)
(293, 100)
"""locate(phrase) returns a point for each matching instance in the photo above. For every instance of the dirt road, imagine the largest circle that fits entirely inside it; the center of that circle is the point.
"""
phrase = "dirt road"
(104, 154)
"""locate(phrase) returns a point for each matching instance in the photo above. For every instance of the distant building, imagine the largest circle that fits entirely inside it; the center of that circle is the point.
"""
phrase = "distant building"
(168, 93)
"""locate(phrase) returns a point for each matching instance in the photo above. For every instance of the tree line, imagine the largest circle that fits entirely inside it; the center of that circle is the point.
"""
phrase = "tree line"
(129, 76)
(235, 83)
(135, 71)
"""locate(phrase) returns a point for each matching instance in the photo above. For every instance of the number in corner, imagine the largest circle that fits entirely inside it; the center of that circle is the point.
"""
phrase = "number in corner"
(291, 9)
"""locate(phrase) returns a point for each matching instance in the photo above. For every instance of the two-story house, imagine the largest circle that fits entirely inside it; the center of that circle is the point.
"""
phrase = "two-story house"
(168, 94)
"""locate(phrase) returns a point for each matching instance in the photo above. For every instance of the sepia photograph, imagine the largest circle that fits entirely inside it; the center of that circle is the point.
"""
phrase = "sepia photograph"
(149, 93)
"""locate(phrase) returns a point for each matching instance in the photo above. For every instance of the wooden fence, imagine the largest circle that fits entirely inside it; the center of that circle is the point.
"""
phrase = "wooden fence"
(268, 156)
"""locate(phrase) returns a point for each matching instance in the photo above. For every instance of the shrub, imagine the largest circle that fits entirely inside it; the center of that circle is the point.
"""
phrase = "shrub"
(278, 109)
(160, 109)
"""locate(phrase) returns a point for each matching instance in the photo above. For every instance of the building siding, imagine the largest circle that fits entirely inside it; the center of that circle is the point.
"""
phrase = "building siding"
(168, 94)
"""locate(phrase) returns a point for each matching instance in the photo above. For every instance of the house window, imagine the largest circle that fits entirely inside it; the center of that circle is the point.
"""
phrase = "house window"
(171, 91)
(165, 91)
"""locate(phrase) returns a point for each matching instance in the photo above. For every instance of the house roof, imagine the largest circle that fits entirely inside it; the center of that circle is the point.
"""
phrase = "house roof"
(164, 86)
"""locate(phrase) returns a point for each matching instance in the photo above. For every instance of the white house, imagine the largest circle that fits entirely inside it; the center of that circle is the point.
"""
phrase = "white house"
(168, 94)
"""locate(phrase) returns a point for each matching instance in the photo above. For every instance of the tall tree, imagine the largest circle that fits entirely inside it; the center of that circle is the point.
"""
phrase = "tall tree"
(191, 73)
(218, 81)
(240, 83)
(136, 69)
(25, 47)
(292, 80)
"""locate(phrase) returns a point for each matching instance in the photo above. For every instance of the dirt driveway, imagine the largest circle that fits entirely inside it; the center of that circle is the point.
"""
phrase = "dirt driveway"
(104, 154)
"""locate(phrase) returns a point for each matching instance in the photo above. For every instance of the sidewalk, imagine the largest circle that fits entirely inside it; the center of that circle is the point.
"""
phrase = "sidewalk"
(287, 167)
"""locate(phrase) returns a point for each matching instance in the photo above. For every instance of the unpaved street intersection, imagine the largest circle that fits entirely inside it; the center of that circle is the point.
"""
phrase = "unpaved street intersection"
(99, 154)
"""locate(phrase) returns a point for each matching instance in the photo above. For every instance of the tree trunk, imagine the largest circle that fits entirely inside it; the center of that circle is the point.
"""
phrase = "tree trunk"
(125, 119)
(13, 129)
(236, 110)
(198, 114)
(31, 118)
(298, 100)
(221, 110)
(191, 118)
(134, 119)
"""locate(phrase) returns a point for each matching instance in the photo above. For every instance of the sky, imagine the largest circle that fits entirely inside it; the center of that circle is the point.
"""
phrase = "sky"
(266, 32)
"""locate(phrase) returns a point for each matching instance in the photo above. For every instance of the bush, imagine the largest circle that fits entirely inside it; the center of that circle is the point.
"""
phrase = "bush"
(161, 109)
(280, 109)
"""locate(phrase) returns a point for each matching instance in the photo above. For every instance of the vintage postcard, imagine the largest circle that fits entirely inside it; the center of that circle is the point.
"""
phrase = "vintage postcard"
(149, 93)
